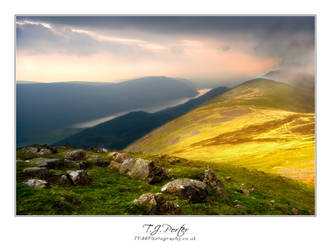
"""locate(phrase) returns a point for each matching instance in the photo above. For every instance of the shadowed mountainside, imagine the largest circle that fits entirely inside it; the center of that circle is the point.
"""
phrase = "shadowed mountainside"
(46, 111)
(121, 131)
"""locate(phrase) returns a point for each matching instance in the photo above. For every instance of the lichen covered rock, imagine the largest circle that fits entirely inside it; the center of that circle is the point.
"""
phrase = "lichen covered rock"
(141, 169)
(188, 189)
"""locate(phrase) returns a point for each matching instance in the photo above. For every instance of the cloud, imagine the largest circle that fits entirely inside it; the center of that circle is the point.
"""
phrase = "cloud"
(205, 49)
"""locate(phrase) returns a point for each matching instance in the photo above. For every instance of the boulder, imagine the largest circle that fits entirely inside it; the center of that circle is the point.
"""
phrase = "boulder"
(64, 180)
(76, 155)
(70, 163)
(121, 157)
(212, 181)
(171, 208)
(147, 202)
(192, 190)
(79, 177)
(39, 172)
(36, 183)
(98, 161)
(155, 204)
(141, 169)
(114, 165)
(46, 162)
(45, 151)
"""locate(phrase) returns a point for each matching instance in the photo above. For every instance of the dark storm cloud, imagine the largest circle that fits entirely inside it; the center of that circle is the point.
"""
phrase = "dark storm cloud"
(185, 24)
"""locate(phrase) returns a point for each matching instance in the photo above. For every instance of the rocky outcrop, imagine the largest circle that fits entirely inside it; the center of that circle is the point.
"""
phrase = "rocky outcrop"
(78, 177)
(39, 172)
(156, 204)
(188, 189)
(75, 155)
(36, 183)
(46, 162)
(141, 169)
(212, 181)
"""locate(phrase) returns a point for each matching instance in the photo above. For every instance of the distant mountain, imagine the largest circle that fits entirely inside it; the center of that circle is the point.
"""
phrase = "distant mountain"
(121, 131)
(260, 124)
(46, 111)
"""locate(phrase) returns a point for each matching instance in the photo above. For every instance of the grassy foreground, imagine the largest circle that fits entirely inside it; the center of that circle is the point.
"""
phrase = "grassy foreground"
(113, 194)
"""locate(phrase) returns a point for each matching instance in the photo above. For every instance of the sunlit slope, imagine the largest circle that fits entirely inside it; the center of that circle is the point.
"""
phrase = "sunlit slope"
(260, 124)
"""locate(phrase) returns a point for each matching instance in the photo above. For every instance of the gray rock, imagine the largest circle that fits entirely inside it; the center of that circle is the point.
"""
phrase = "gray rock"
(46, 162)
(76, 155)
(40, 172)
(121, 157)
(141, 169)
(114, 165)
(36, 183)
(45, 151)
(70, 163)
(64, 180)
(212, 181)
(30, 149)
(147, 202)
(79, 177)
(156, 204)
(188, 189)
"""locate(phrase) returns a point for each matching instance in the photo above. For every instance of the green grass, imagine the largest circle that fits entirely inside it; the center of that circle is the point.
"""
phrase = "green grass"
(113, 194)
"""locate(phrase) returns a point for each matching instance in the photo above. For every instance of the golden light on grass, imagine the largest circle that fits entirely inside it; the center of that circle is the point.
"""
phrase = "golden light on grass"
(246, 131)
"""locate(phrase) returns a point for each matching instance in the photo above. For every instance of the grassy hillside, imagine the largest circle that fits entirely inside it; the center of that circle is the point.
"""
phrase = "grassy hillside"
(260, 124)
(122, 131)
(112, 194)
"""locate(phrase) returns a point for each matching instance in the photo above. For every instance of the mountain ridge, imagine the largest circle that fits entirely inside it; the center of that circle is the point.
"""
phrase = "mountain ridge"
(253, 125)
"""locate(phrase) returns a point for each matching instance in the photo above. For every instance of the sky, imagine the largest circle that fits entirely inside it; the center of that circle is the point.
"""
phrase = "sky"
(208, 50)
